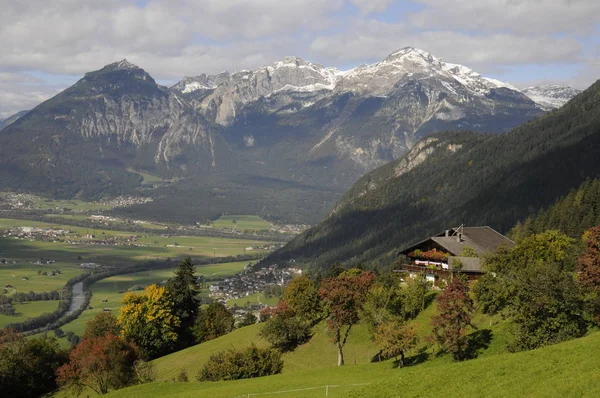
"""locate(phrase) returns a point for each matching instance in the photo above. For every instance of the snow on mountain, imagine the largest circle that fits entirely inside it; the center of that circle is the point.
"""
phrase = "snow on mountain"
(550, 96)
(296, 80)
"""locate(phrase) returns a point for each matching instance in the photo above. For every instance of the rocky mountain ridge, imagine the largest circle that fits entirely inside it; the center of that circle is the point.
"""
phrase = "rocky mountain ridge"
(293, 125)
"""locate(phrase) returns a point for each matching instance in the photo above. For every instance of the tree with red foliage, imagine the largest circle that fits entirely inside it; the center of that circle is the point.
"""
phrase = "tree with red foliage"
(454, 317)
(589, 269)
(343, 296)
(101, 364)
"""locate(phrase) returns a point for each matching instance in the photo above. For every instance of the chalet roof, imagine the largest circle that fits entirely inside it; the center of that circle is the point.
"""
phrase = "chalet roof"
(468, 264)
(482, 239)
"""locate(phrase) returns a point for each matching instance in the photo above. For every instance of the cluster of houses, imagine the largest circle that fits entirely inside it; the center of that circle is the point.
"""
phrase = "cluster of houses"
(461, 248)
(124, 201)
(251, 281)
(33, 233)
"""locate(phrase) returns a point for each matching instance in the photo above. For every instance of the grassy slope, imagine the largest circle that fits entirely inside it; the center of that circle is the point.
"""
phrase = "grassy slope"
(565, 369)
(255, 298)
(318, 353)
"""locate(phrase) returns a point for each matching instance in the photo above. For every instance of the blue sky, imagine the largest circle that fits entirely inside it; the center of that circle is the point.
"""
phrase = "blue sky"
(48, 45)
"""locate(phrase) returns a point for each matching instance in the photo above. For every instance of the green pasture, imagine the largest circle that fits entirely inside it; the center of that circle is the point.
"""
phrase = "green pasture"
(256, 298)
(242, 222)
(147, 177)
(566, 369)
(73, 204)
(29, 310)
(157, 246)
(319, 352)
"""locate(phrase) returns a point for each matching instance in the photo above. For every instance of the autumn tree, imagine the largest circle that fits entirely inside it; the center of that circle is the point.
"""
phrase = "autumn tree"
(450, 325)
(589, 270)
(395, 338)
(343, 296)
(102, 324)
(101, 364)
(284, 330)
(302, 296)
(213, 321)
(183, 288)
(149, 320)
(28, 366)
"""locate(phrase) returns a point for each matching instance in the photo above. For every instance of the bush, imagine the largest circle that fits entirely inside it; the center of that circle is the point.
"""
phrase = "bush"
(241, 364)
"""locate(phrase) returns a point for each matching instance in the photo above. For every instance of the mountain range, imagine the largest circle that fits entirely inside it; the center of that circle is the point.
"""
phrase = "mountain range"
(462, 178)
(283, 141)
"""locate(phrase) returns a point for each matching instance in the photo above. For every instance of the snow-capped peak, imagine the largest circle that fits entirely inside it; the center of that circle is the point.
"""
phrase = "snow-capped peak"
(551, 96)
(124, 64)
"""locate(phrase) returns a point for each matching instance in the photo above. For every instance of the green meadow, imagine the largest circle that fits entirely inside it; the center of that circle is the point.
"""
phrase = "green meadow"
(29, 310)
(242, 222)
(563, 370)
(256, 298)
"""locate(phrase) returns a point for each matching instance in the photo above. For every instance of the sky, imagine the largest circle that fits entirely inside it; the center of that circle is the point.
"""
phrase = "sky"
(47, 45)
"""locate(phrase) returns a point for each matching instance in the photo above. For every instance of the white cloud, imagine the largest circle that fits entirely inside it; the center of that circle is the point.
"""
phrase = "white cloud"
(369, 6)
(374, 40)
(173, 38)
(520, 16)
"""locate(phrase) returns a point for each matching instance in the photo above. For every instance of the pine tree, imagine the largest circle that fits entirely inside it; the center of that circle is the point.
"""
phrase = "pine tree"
(183, 288)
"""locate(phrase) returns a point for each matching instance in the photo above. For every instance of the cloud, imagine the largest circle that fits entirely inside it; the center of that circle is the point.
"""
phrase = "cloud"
(374, 40)
(173, 38)
(518, 16)
(369, 6)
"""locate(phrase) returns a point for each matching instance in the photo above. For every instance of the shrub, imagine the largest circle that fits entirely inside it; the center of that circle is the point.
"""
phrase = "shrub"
(246, 363)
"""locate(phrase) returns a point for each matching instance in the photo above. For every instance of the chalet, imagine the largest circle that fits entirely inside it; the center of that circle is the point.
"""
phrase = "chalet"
(461, 247)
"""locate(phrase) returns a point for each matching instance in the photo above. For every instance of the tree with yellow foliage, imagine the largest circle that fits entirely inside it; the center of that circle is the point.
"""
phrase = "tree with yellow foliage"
(149, 320)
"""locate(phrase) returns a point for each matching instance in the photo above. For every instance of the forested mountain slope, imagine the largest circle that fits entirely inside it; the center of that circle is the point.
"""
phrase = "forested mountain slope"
(573, 214)
(458, 178)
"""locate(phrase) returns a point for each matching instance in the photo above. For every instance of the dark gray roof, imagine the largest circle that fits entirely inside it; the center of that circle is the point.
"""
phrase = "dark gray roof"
(469, 264)
(481, 239)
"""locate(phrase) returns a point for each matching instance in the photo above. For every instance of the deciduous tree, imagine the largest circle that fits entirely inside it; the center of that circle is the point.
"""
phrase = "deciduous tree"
(102, 324)
(213, 321)
(395, 338)
(302, 296)
(28, 366)
(343, 296)
(101, 364)
(149, 319)
(450, 325)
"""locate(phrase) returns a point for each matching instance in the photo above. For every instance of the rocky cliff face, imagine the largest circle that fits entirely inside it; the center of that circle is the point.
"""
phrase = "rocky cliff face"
(121, 105)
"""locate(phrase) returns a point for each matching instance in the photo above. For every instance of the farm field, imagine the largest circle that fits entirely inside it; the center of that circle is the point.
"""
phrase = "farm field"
(242, 222)
(256, 298)
(564, 369)
(29, 310)
(23, 275)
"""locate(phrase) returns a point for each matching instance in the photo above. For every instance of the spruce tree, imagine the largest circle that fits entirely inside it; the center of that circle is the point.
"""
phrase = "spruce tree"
(184, 288)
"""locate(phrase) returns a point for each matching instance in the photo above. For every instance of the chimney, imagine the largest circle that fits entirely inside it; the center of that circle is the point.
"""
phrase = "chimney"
(459, 237)
(447, 233)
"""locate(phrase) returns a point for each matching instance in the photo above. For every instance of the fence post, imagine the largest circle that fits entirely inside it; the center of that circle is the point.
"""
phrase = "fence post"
(327, 391)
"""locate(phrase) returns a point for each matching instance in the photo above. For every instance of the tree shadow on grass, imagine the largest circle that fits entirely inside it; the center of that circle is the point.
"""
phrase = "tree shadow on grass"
(478, 341)
(421, 356)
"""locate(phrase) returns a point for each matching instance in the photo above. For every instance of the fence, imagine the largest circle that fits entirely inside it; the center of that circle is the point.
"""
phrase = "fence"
(325, 388)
